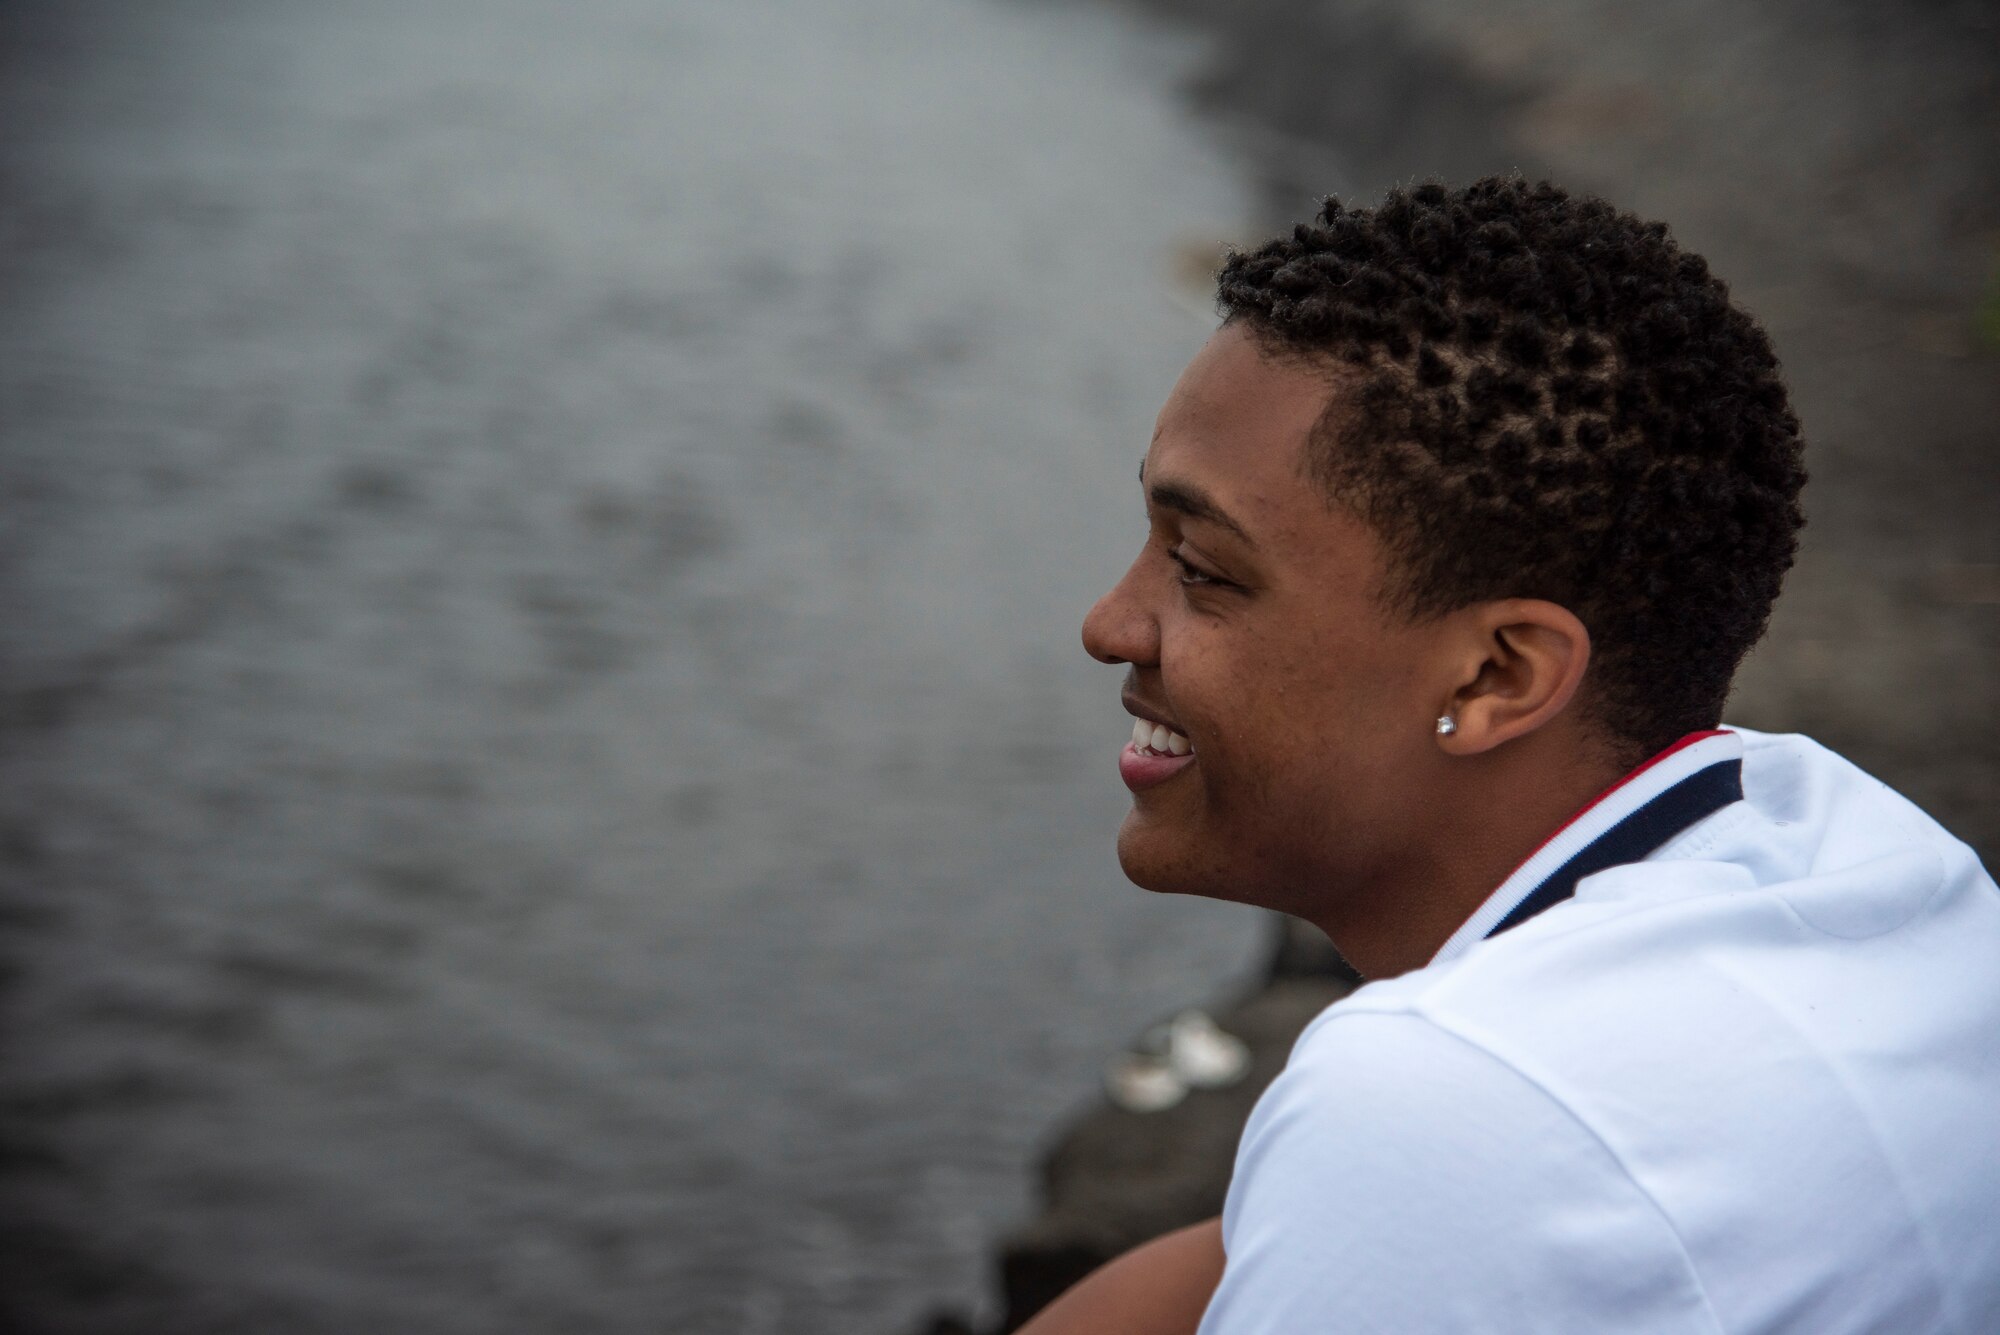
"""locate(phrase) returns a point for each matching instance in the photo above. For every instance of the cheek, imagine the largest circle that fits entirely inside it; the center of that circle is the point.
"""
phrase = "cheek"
(1322, 720)
(1281, 712)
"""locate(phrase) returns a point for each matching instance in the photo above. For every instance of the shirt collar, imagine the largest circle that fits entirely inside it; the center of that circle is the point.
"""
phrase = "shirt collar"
(1636, 817)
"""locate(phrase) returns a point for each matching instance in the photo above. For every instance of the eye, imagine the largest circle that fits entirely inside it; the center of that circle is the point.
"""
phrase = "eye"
(1192, 574)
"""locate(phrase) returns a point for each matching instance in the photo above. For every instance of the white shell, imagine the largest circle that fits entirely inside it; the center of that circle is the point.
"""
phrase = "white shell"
(1203, 1055)
(1140, 1083)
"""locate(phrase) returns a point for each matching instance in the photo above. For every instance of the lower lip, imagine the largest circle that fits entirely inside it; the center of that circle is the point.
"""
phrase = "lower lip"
(1142, 769)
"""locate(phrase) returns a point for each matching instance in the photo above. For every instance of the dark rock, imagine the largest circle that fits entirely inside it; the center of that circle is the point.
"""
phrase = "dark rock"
(946, 1323)
(1113, 1179)
(1303, 951)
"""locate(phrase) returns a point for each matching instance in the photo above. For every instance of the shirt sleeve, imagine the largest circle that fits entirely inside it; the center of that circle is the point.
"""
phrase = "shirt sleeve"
(1398, 1178)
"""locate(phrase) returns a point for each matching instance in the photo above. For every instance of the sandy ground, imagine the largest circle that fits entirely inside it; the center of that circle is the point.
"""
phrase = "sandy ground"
(1840, 165)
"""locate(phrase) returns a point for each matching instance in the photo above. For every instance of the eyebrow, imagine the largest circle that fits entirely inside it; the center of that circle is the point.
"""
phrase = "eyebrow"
(1192, 501)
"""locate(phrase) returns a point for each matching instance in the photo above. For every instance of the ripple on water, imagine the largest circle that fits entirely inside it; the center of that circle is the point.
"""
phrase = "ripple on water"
(549, 782)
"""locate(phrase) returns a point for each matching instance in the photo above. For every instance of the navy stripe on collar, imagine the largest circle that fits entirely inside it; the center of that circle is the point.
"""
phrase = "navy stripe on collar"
(1551, 873)
(1637, 837)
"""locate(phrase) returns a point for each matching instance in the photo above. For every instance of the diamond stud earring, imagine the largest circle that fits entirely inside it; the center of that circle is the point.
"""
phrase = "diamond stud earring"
(1447, 725)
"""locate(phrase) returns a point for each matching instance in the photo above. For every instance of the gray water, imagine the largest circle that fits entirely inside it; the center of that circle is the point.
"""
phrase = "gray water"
(547, 780)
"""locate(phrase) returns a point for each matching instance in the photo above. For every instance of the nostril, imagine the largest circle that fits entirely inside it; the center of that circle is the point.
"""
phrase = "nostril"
(1120, 627)
(1108, 633)
(1094, 643)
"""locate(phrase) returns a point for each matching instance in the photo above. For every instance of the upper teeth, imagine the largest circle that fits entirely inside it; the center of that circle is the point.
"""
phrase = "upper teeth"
(1158, 737)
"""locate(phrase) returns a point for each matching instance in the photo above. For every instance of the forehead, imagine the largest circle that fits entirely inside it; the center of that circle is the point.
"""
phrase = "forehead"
(1236, 427)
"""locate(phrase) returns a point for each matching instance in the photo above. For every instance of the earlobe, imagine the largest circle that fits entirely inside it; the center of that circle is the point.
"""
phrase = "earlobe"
(1525, 659)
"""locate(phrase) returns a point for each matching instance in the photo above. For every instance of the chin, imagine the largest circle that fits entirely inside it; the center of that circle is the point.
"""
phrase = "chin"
(1147, 858)
(1169, 861)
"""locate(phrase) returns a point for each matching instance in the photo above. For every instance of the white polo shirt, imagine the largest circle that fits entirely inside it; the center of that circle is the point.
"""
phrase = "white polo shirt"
(1748, 1082)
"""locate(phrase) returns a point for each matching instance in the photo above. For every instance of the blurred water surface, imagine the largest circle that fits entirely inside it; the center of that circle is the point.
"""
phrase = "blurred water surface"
(548, 778)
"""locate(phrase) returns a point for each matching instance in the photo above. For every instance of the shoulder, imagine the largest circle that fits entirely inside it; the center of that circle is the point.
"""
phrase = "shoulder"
(1401, 1177)
(1785, 1026)
(1380, 1075)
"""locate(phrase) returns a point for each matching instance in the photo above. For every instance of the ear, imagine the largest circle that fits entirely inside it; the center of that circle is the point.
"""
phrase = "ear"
(1521, 663)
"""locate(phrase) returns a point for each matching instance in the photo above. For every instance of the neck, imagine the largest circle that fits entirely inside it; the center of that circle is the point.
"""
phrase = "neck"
(1484, 816)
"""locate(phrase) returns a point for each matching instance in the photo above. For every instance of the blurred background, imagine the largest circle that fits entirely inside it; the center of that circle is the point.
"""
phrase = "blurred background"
(547, 780)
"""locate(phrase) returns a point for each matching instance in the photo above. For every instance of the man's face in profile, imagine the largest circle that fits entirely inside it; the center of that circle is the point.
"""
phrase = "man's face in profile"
(1253, 627)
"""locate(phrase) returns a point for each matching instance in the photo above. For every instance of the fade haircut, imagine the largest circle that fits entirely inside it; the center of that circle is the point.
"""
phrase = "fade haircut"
(1543, 397)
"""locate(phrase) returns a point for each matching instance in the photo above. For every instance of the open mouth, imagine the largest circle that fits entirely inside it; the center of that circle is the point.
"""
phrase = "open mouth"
(1155, 754)
(1158, 739)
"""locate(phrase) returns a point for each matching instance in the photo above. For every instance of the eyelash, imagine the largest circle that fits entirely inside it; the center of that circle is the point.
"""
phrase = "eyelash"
(1192, 576)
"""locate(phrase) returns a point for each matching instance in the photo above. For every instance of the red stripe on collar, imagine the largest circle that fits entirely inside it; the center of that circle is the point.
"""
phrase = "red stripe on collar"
(1584, 810)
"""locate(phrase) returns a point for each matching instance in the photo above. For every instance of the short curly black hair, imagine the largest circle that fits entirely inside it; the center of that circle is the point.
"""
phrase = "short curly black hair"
(1542, 396)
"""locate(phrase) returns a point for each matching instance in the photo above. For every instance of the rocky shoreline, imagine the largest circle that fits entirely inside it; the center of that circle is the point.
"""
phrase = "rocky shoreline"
(1113, 1178)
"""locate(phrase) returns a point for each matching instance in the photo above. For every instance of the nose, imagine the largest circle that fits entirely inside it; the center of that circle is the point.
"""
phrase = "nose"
(1120, 628)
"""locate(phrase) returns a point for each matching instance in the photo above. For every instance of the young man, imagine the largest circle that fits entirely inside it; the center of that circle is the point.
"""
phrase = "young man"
(1460, 526)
